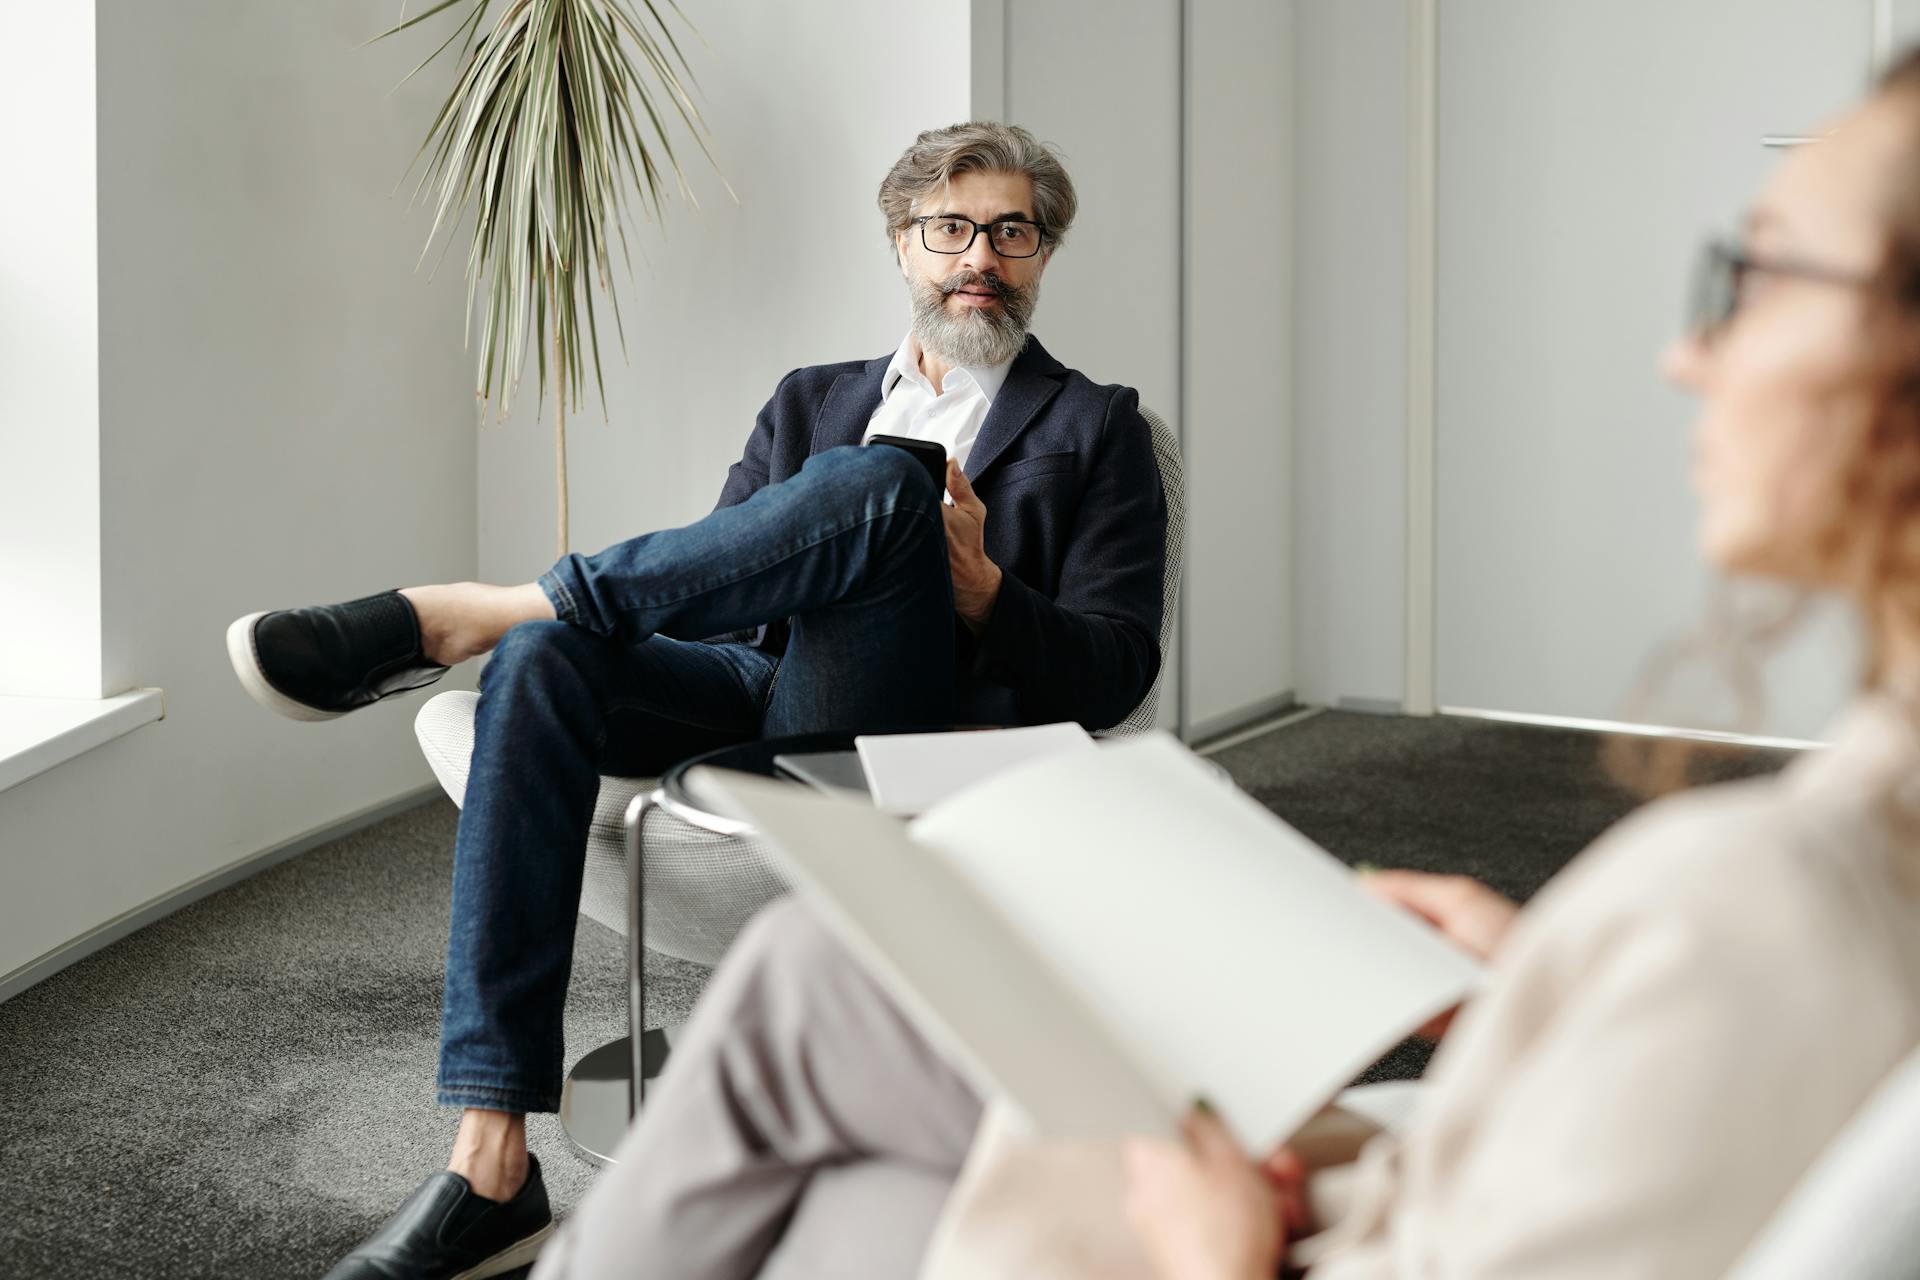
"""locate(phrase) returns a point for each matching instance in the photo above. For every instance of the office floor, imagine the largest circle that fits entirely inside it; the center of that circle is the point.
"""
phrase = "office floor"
(244, 1089)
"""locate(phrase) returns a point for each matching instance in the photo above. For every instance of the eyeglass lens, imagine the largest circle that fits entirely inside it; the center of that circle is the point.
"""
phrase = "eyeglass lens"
(953, 235)
(1716, 288)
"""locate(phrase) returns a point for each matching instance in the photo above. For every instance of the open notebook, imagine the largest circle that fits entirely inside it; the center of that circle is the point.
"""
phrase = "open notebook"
(912, 772)
(1101, 936)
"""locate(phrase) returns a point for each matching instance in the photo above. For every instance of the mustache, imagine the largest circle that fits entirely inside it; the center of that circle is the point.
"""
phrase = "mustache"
(968, 279)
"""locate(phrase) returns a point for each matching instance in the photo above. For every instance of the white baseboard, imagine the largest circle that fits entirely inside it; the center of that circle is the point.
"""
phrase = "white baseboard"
(1282, 719)
(1641, 730)
(1371, 706)
(1202, 733)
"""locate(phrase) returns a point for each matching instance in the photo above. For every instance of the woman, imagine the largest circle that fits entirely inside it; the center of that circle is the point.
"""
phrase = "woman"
(1672, 1030)
(1680, 1022)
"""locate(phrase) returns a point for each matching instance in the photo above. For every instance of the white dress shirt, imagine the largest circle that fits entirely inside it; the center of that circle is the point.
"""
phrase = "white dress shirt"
(951, 419)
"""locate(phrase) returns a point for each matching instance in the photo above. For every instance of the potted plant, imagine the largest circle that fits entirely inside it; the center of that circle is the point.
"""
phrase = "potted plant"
(560, 110)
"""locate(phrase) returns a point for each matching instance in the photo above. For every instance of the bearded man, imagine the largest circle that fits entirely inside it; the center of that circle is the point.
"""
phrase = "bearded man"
(832, 588)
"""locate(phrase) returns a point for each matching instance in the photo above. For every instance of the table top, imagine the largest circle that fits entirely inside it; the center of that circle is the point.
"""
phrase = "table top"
(748, 757)
(757, 757)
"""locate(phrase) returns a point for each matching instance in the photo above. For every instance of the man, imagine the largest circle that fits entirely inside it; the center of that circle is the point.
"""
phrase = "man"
(836, 591)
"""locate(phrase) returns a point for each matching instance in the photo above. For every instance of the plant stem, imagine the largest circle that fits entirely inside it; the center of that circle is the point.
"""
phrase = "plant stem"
(560, 430)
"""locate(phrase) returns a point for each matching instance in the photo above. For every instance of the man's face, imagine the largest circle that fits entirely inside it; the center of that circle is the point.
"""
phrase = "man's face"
(973, 307)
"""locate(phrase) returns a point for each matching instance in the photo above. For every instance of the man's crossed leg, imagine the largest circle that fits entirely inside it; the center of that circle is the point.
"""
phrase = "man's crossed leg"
(589, 677)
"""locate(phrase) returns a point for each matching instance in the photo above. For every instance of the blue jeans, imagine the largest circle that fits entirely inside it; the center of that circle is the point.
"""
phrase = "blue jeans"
(852, 550)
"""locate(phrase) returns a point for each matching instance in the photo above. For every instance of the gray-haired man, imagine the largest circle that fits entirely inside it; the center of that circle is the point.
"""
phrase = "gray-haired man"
(1034, 596)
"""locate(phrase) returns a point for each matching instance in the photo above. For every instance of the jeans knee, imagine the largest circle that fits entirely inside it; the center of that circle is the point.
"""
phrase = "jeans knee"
(875, 469)
(529, 653)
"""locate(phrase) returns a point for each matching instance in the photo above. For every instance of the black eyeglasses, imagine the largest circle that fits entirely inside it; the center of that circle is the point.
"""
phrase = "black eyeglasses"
(1721, 280)
(1010, 237)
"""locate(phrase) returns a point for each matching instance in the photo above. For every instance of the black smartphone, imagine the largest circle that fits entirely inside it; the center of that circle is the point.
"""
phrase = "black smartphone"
(932, 456)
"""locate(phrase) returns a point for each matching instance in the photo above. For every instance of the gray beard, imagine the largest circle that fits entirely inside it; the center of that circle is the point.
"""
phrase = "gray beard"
(977, 338)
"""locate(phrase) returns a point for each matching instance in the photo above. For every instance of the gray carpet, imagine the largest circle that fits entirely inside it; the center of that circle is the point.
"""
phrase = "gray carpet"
(245, 1088)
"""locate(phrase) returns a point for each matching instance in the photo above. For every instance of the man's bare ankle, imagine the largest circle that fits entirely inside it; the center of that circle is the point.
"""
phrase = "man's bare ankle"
(490, 1152)
(461, 620)
(449, 632)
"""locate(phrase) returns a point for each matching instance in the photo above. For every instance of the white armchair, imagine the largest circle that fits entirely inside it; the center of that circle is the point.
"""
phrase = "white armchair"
(1853, 1214)
(701, 886)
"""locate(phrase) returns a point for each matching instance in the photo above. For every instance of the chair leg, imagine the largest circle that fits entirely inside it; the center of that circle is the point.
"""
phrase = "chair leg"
(594, 1103)
(637, 951)
(604, 1090)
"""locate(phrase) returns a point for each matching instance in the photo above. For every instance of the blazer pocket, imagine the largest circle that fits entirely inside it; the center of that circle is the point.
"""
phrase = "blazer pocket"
(1040, 464)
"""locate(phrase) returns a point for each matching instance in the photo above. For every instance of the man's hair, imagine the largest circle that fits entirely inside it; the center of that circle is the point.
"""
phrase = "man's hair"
(986, 146)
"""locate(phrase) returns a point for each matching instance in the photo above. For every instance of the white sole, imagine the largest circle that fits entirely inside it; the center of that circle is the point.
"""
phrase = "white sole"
(246, 665)
(513, 1257)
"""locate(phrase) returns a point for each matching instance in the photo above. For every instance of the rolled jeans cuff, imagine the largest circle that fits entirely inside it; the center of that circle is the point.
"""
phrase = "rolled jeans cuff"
(494, 1098)
(558, 595)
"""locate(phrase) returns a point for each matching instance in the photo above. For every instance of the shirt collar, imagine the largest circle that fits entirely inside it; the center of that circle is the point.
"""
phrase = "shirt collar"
(906, 363)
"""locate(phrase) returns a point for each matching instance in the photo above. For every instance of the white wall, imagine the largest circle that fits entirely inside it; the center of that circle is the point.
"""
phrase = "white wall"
(1583, 151)
(284, 418)
(1099, 80)
(1239, 374)
(49, 361)
(807, 117)
(1570, 213)
(1349, 349)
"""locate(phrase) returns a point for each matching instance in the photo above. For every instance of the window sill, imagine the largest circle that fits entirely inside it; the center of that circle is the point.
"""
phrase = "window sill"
(39, 733)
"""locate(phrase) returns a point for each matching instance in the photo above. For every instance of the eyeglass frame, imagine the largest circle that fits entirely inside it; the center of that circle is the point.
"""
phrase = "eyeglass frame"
(1040, 229)
(1709, 319)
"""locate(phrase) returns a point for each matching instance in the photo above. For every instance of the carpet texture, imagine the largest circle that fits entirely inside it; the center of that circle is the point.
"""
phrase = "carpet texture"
(245, 1088)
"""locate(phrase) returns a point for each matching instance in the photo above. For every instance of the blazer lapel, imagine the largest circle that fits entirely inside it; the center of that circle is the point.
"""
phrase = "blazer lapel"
(1031, 382)
(850, 402)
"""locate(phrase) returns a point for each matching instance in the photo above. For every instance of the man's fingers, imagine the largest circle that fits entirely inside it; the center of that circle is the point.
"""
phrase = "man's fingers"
(958, 485)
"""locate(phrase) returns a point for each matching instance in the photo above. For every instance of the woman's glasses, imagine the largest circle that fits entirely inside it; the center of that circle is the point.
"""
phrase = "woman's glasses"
(1723, 280)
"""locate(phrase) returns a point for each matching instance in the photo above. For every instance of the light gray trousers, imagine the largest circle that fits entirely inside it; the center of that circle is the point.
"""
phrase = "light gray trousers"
(801, 1130)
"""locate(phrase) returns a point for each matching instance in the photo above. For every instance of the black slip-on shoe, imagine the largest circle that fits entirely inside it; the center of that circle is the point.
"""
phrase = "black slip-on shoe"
(444, 1231)
(326, 660)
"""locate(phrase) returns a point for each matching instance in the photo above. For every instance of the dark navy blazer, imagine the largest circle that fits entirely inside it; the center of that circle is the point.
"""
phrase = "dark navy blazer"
(1076, 521)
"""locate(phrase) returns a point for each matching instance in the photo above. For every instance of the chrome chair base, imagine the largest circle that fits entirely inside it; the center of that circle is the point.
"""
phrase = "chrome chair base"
(598, 1101)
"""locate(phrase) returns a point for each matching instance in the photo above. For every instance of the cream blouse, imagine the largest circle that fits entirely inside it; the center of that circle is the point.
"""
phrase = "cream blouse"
(1677, 1026)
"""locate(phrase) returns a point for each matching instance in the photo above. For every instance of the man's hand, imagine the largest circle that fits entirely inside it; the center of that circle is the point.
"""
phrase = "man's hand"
(1202, 1209)
(1472, 916)
(976, 579)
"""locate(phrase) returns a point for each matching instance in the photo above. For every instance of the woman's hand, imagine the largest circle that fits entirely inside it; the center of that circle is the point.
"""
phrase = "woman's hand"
(1464, 910)
(1472, 916)
(1204, 1210)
